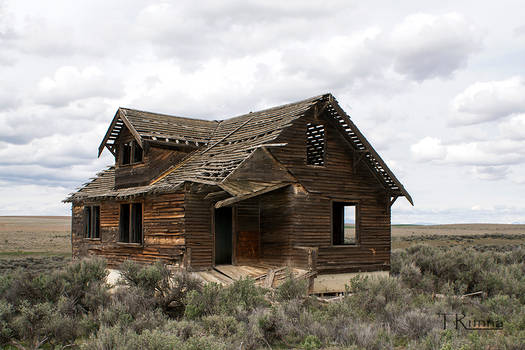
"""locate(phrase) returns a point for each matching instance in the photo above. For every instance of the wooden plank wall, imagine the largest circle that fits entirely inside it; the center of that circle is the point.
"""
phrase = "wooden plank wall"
(336, 180)
(164, 235)
(248, 227)
(276, 226)
(198, 221)
(156, 160)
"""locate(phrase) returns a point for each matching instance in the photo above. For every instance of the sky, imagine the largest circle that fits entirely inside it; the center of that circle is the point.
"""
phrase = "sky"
(437, 87)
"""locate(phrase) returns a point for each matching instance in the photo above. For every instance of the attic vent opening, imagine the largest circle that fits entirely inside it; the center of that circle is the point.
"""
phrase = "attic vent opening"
(315, 144)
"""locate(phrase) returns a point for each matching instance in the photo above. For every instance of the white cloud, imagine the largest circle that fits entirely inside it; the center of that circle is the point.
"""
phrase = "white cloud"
(491, 100)
(66, 66)
(32, 199)
(429, 46)
(70, 83)
(513, 128)
(484, 153)
(490, 173)
(428, 149)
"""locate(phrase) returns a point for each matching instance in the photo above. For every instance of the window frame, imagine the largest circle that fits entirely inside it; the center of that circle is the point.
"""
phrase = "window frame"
(91, 230)
(132, 144)
(325, 141)
(346, 202)
(130, 224)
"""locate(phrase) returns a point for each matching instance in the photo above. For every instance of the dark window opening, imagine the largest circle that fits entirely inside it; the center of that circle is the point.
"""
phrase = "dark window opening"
(92, 221)
(126, 153)
(131, 223)
(131, 153)
(345, 223)
(315, 144)
(137, 153)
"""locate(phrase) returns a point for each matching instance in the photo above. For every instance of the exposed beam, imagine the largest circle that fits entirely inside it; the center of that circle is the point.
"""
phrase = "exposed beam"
(130, 127)
(108, 134)
(369, 147)
(233, 200)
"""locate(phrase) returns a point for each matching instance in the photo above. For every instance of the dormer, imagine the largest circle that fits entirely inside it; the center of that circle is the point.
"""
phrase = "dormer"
(146, 144)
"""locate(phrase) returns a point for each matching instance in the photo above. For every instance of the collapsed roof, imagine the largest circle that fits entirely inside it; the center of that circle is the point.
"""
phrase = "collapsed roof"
(222, 146)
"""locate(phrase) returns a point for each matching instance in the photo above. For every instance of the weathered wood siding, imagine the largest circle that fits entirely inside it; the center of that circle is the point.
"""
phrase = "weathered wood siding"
(247, 228)
(163, 232)
(276, 226)
(198, 223)
(337, 180)
(156, 160)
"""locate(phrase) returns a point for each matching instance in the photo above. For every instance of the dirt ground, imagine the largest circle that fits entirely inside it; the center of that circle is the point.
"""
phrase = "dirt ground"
(35, 235)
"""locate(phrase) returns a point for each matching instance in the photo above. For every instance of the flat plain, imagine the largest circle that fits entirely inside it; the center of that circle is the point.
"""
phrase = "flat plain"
(50, 235)
(35, 235)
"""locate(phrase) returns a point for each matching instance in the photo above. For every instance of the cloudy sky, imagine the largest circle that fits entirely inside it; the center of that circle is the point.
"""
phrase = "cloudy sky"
(438, 87)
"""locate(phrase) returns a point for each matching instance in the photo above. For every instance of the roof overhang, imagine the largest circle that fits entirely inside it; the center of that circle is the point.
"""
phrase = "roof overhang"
(360, 144)
(117, 124)
(247, 195)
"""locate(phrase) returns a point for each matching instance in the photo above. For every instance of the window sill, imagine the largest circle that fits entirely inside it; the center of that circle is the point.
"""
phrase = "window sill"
(345, 245)
(130, 164)
(91, 239)
(130, 244)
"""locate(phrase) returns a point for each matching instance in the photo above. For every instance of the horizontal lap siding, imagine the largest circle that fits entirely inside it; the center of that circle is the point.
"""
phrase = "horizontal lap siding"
(163, 228)
(276, 226)
(156, 160)
(198, 228)
(337, 180)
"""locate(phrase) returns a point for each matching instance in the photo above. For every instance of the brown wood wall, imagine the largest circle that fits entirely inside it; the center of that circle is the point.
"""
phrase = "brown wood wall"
(156, 160)
(336, 180)
(164, 234)
(199, 229)
(247, 231)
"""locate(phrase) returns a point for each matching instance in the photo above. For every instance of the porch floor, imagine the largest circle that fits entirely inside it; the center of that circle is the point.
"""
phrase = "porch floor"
(264, 275)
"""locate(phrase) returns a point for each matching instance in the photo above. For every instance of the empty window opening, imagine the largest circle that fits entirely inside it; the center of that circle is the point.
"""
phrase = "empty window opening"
(137, 153)
(315, 144)
(126, 153)
(131, 153)
(92, 221)
(345, 223)
(131, 223)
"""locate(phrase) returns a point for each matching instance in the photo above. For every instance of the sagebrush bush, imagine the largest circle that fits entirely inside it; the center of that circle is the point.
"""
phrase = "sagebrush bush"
(154, 308)
(168, 290)
(291, 288)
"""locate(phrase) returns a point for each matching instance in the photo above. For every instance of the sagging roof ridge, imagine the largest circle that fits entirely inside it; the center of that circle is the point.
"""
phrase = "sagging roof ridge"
(377, 165)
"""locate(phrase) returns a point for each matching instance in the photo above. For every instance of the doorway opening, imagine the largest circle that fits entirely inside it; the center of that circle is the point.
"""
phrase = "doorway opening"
(223, 236)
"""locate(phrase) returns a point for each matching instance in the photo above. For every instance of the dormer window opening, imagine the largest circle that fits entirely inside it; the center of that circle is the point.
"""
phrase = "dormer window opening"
(131, 153)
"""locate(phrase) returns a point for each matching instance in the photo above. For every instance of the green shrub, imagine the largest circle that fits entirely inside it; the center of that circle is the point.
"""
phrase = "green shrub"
(242, 295)
(311, 342)
(6, 315)
(168, 290)
(204, 302)
(290, 289)
(222, 326)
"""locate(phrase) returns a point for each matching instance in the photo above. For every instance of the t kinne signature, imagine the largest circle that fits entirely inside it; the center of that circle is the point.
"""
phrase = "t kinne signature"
(461, 320)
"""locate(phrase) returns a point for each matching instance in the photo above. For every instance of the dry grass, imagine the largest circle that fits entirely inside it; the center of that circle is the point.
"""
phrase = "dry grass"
(456, 229)
(35, 235)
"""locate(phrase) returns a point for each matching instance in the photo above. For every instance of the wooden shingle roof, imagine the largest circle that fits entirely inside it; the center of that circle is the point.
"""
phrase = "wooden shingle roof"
(224, 145)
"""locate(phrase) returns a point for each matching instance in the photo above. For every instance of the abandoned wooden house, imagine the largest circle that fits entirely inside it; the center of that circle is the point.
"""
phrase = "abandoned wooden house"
(296, 185)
